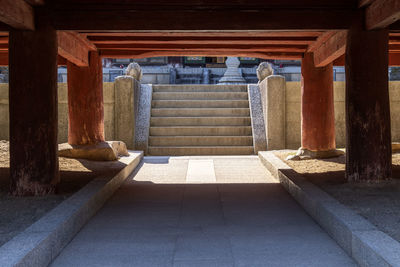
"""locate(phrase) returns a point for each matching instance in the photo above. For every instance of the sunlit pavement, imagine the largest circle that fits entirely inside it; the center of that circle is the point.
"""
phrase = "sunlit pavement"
(202, 211)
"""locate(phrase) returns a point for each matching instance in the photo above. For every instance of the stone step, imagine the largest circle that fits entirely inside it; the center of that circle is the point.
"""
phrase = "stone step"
(192, 112)
(200, 150)
(200, 140)
(200, 103)
(201, 130)
(200, 96)
(199, 88)
(200, 121)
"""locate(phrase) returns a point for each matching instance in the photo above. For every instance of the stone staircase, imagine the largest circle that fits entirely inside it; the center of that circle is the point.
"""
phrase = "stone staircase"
(200, 120)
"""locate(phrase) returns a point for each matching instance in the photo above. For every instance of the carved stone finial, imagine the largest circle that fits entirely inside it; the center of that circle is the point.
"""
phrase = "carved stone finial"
(264, 70)
(134, 70)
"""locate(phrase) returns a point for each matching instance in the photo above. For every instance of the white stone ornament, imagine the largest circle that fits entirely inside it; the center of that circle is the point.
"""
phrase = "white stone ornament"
(134, 71)
(264, 70)
(232, 74)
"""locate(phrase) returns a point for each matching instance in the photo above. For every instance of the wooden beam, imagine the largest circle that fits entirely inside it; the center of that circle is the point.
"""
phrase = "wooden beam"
(239, 53)
(331, 50)
(135, 40)
(320, 40)
(206, 34)
(86, 19)
(204, 47)
(381, 13)
(364, 3)
(17, 14)
(74, 48)
(394, 59)
(35, 2)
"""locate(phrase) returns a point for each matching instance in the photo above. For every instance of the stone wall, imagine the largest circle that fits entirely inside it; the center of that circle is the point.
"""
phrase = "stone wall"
(293, 113)
(109, 107)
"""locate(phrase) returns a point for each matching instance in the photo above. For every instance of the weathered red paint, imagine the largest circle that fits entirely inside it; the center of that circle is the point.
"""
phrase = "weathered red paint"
(33, 111)
(85, 102)
(368, 137)
(317, 107)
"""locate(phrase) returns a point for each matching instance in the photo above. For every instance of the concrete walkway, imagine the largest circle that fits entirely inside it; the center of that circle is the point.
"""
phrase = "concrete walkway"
(166, 216)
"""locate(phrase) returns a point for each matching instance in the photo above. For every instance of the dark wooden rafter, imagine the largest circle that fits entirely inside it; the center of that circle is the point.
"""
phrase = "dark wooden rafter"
(144, 54)
(205, 47)
(17, 14)
(74, 47)
(219, 20)
(382, 13)
(364, 3)
(199, 40)
(331, 49)
(35, 2)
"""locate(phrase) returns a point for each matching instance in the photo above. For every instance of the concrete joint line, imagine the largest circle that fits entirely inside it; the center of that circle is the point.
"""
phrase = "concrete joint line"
(367, 245)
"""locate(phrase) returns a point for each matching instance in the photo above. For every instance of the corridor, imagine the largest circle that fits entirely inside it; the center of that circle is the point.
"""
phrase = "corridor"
(202, 211)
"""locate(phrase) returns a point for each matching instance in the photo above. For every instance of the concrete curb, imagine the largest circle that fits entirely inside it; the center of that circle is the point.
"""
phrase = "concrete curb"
(40, 243)
(367, 245)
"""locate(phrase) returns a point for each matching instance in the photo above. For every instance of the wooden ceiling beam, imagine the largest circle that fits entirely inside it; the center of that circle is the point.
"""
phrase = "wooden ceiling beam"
(145, 54)
(202, 47)
(331, 49)
(131, 40)
(382, 13)
(364, 3)
(17, 14)
(85, 19)
(74, 48)
(205, 34)
(35, 2)
(202, 4)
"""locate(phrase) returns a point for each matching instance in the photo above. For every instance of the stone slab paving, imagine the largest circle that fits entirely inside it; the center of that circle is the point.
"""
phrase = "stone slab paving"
(161, 218)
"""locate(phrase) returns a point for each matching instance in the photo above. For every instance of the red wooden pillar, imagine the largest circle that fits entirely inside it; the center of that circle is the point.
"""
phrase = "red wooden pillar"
(85, 102)
(369, 154)
(33, 110)
(317, 107)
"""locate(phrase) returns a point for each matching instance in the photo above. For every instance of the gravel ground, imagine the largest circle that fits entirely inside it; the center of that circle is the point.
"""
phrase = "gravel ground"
(17, 213)
(379, 203)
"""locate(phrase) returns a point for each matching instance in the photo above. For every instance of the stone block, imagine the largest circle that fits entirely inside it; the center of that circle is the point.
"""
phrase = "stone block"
(375, 248)
(62, 93)
(293, 112)
(108, 92)
(293, 134)
(104, 151)
(142, 126)
(125, 110)
(293, 92)
(109, 125)
(394, 90)
(273, 91)
(257, 118)
(339, 91)
(62, 122)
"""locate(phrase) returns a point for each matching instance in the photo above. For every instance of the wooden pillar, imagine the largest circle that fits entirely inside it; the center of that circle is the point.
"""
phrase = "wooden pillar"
(368, 136)
(85, 102)
(317, 107)
(33, 110)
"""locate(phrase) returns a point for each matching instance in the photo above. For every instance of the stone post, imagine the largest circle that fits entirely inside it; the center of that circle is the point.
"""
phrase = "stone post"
(273, 98)
(125, 109)
(368, 135)
(33, 110)
(85, 102)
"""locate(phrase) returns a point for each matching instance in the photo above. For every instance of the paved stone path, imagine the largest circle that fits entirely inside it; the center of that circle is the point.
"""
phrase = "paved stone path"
(166, 216)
